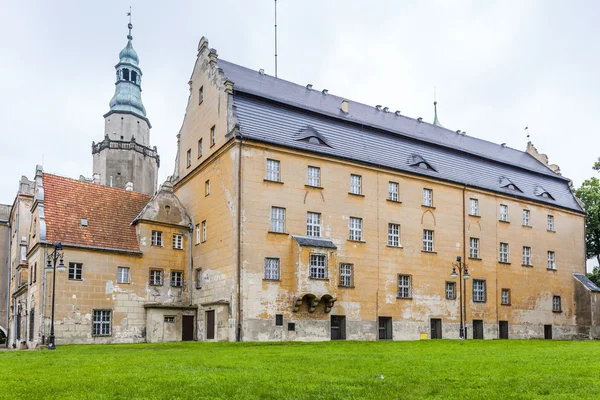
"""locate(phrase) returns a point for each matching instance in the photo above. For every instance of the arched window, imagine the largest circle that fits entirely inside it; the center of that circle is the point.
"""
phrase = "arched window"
(125, 74)
(133, 76)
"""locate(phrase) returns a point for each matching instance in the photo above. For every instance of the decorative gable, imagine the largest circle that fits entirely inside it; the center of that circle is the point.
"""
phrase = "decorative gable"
(415, 160)
(310, 135)
(506, 183)
(541, 192)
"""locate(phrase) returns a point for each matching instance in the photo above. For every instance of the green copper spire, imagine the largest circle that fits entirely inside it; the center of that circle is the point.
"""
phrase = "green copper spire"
(436, 121)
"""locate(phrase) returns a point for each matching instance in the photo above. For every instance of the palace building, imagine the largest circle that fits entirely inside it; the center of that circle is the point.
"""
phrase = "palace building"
(294, 214)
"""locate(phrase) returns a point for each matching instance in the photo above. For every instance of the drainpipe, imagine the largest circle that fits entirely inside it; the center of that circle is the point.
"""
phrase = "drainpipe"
(464, 246)
(43, 316)
(8, 283)
(191, 263)
(239, 245)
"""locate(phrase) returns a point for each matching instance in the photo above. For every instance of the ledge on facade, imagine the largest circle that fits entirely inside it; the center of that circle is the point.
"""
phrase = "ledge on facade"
(221, 302)
(357, 194)
(179, 306)
(394, 201)
(505, 221)
(314, 187)
(474, 216)
(21, 289)
(124, 145)
(426, 206)
(429, 252)
(312, 241)
(272, 181)
(278, 233)
(504, 262)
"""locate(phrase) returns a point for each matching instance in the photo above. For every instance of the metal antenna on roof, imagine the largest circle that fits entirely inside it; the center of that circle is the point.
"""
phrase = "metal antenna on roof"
(275, 38)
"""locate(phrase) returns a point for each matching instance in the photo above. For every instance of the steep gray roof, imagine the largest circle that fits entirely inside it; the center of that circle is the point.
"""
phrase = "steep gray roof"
(274, 110)
(586, 282)
(314, 242)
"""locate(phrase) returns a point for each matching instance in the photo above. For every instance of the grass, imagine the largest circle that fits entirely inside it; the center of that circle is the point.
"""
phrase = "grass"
(330, 370)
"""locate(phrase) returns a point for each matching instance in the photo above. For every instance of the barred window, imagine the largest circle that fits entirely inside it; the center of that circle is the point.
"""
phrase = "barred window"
(503, 212)
(176, 278)
(101, 322)
(526, 218)
(156, 277)
(393, 235)
(404, 286)
(505, 297)
(355, 225)
(75, 271)
(551, 223)
(178, 242)
(393, 190)
(428, 197)
(277, 219)
(504, 253)
(273, 170)
(479, 294)
(123, 275)
(427, 240)
(313, 224)
(474, 207)
(198, 278)
(556, 306)
(474, 248)
(526, 255)
(450, 290)
(272, 269)
(318, 266)
(551, 260)
(355, 184)
(314, 176)
(157, 238)
(346, 275)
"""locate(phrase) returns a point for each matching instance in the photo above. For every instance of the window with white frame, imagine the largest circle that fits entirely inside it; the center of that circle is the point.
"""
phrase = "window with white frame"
(355, 184)
(556, 306)
(404, 286)
(123, 275)
(551, 260)
(393, 191)
(505, 297)
(189, 158)
(156, 277)
(200, 95)
(198, 278)
(197, 233)
(450, 290)
(178, 241)
(526, 218)
(526, 255)
(394, 235)
(204, 233)
(157, 238)
(176, 278)
(101, 322)
(551, 223)
(346, 275)
(503, 213)
(318, 266)
(479, 294)
(169, 319)
(213, 139)
(207, 188)
(474, 207)
(272, 269)
(473, 248)
(273, 170)
(75, 271)
(428, 197)
(277, 219)
(313, 224)
(427, 240)
(504, 253)
(200, 149)
(314, 176)
(355, 225)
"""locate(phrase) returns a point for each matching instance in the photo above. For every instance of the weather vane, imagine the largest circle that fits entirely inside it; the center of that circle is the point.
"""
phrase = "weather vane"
(130, 26)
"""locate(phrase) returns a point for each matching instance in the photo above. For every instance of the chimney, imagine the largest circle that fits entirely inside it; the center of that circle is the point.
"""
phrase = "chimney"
(386, 109)
(325, 91)
(261, 71)
(397, 113)
(129, 186)
(345, 106)
(378, 107)
(420, 119)
(309, 86)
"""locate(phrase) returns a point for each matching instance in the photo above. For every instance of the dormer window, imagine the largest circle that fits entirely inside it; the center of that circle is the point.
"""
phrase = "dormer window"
(415, 160)
(541, 192)
(310, 135)
(84, 222)
(506, 183)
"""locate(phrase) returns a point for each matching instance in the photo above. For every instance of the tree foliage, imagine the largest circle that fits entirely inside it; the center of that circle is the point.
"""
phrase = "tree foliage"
(589, 194)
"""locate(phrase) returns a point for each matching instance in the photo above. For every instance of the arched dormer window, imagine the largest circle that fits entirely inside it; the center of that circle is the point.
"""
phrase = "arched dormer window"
(125, 74)
(133, 76)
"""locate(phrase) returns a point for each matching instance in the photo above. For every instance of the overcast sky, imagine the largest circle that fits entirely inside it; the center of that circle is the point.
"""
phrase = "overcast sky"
(497, 66)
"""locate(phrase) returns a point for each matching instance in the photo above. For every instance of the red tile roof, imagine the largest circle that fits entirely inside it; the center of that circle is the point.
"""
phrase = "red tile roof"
(109, 212)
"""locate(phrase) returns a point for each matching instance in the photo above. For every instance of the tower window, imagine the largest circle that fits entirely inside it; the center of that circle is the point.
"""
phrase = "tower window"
(125, 74)
(133, 76)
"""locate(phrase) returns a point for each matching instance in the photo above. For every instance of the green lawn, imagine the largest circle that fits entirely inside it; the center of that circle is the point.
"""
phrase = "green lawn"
(331, 370)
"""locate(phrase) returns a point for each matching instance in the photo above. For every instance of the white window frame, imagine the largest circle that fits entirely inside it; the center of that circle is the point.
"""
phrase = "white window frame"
(157, 239)
(277, 219)
(177, 241)
(101, 322)
(355, 229)
(479, 291)
(200, 148)
(393, 191)
(550, 220)
(504, 254)
(474, 207)
(176, 278)
(198, 278)
(505, 297)
(313, 224)
(428, 197)
(551, 260)
(189, 158)
(156, 277)
(123, 275)
(503, 213)
(428, 240)
(450, 290)
(318, 266)
(272, 269)
(355, 184)
(213, 138)
(474, 247)
(404, 286)
(197, 233)
(346, 275)
(314, 176)
(77, 271)
(526, 218)
(204, 232)
(394, 235)
(273, 170)
(527, 255)
(207, 187)
(556, 304)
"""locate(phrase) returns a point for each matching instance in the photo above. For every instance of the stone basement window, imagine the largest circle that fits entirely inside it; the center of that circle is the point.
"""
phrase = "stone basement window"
(178, 242)
(157, 238)
(176, 278)
(101, 322)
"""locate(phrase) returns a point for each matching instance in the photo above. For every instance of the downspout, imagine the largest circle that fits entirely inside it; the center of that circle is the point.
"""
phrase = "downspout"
(191, 262)
(464, 246)
(43, 317)
(239, 245)
(8, 284)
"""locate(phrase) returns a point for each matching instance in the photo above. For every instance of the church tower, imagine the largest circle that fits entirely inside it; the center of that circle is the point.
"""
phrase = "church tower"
(124, 158)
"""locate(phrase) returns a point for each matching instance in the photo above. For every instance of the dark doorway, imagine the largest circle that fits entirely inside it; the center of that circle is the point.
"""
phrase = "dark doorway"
(477, 329)
(503, 329)
(548, 332)
(210, 324)
(31, 324)
(436, 328)
(187, 328)
(18, 333)
(385, 328)
(338, 327)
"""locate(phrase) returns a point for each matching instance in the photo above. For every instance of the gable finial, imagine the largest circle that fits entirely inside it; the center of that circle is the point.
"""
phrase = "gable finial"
(129, 25)
(436, 121)
(528, 135)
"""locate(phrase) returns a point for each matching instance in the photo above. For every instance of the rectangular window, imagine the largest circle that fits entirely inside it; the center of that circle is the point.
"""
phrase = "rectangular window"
(427, 240)
(473, 248)
(503, 212)
(556, 306)
(189, 158)
(178, 242)
(450, 290)
(394, 235)
(314, 176)
(355, 184)
(313, 224)
(474, 207)
(200, 150)
(157, 238)
(212, 136)
(273, 170)
(428, 197)
(278, 319)
(197, 233)
(551, 260)
(479, 294)
(156, 277)
(277, 219)
(198, 278)
(551, 223)
(272, 266)
(504, 253)
(526, 218)
(176, 279)
(75, 271)
(169, 319)
(404, 286)
(393, 191)
(200, 95)
(204, 234)
(526, 255)
(318, 266)
(101, 322)
(505, 297)
(123, 275)
(207, 188)
(346, 275)
(355, 225)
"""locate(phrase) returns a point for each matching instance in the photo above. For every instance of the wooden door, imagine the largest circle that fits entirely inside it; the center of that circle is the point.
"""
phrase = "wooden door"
(187, 328)
(548, 332)
(477, 329)
(338, 327)
(385, 328)
(503, 329)
(210, 324)
(436, 328)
